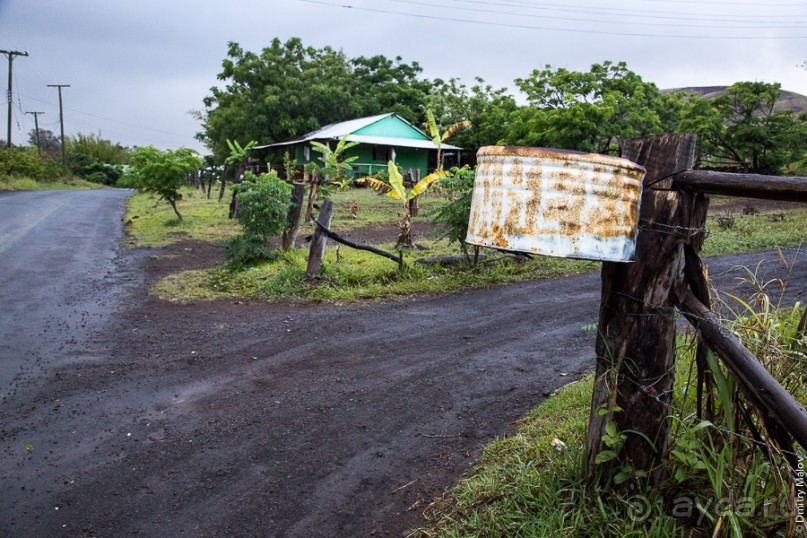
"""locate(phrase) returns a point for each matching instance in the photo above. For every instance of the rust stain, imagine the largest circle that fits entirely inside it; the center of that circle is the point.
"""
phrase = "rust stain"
(569, 199)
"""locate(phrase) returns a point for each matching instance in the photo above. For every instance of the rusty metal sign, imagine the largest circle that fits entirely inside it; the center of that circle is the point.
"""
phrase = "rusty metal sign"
(555, 202)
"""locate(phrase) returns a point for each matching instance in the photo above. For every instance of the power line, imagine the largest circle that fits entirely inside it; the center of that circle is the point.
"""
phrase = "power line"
(622, 11)
(579, 19)
(546, 28)
(128, 124)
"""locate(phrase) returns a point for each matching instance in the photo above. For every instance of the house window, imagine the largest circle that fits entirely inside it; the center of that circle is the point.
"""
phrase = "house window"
(381, 153)
(307, 153)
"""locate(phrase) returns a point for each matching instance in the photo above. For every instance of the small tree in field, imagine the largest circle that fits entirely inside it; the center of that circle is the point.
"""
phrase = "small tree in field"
(263, 208)
(163, 173)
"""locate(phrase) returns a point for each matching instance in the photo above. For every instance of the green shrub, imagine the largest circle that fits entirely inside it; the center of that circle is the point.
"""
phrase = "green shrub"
(244, 250)
(263, 207)
(25, 162)
(452, 217)
(91, 169)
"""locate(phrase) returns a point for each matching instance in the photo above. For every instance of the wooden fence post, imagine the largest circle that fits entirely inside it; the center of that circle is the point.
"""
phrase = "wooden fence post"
(636, 331)
(319, 241)
(290, 235)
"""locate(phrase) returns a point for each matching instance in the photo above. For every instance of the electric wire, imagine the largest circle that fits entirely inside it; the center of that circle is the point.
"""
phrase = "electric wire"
(549, 28)
(579, 19)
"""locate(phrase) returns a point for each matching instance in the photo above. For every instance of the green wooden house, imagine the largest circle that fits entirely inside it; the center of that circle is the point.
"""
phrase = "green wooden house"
(380, 139)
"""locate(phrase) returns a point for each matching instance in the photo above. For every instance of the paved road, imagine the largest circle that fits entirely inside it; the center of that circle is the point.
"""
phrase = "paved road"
(58, 257)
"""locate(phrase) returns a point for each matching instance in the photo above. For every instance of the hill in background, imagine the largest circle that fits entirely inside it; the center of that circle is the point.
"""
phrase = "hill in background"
(788, 100)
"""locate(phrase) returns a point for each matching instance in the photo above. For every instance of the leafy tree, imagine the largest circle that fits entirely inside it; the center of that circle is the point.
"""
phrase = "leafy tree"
(383, 85)
(49, 142)
(263, 207)
(163, 173)
(743, 130)
(587, 111)
(99, 149)
(289, 89)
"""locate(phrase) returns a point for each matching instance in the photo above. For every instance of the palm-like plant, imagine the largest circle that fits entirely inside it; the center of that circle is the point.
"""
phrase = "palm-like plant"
(438, 138)
(395, 189)
(334, 170)
(237, 158)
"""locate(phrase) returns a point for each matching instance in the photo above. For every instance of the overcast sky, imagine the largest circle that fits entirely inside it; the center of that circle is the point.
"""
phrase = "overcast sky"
(135, 69)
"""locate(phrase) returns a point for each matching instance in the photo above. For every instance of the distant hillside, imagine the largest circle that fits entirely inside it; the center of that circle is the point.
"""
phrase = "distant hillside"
(788, 101)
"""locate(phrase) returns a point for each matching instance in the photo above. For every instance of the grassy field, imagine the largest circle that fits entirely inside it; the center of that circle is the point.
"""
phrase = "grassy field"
(350, 275)
(152, 223)
(27, 184)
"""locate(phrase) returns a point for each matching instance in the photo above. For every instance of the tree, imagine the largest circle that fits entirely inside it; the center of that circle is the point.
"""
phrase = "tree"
(743, 130)
(289, 89)
(383, 85)
(163, 173)
(587, 111)
(97, 148)
(49, 143)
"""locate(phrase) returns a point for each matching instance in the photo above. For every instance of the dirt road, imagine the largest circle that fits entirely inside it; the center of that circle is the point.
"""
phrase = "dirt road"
(259, 420)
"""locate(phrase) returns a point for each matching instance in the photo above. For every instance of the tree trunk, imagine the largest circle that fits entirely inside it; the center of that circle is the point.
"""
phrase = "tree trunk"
(319, 241)
(290, 235)
(636, 332)
(405, 230)
(174, 205)
(223, 182)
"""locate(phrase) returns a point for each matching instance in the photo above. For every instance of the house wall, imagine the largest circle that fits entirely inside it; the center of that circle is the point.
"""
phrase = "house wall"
(393, 127)
(366, 164)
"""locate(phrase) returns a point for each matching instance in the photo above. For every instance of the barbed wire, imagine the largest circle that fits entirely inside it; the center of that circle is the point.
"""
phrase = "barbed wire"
(683, 413)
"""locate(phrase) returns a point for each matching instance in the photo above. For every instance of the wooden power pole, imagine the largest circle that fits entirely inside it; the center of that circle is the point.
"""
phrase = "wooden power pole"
(10, 54)
(61, 116)
(36, 130)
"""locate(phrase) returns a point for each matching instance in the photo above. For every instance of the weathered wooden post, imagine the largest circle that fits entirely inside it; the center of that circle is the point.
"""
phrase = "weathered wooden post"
(636, 331)
(319, 241)
(296, 209)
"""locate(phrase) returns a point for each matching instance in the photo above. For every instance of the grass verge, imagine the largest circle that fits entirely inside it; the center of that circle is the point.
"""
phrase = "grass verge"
(720, 484)
(350, 275)
(8, 183)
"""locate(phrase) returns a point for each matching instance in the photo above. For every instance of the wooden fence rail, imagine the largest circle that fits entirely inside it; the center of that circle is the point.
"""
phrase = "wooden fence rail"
(786, 188)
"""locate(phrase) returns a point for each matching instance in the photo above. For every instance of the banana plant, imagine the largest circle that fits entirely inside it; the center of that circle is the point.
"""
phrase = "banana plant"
(237, 158)
(438, 138)
(335, 165)
(396, 190)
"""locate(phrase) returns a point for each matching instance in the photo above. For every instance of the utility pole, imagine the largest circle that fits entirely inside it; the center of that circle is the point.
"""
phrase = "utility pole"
(61, 115)
(10, 54)
(36, 130)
